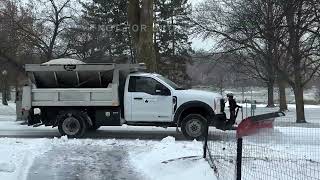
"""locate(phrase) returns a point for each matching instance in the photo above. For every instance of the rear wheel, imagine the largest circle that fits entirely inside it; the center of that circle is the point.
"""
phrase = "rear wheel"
(72, 125)
(193, 126)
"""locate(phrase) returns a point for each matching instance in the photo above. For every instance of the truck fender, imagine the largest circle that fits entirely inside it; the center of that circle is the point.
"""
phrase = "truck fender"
(192, 104)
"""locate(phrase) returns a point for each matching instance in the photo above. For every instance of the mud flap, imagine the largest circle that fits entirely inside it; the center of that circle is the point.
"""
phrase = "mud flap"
(34, 119)
(254, 124)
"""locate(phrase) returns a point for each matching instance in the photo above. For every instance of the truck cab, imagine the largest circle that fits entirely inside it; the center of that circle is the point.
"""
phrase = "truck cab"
(154, 99)
(120, 96)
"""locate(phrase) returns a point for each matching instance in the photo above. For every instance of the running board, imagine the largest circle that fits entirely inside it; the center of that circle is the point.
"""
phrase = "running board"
(158, 124)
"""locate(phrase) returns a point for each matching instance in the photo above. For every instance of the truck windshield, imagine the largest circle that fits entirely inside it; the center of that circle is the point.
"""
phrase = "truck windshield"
(170, 83)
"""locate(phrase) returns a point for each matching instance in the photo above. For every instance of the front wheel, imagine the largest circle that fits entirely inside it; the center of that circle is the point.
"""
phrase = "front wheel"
(72, 125)
(193, 126)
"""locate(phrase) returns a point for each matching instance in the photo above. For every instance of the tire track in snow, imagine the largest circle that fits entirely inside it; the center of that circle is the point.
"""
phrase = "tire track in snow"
(83, 162)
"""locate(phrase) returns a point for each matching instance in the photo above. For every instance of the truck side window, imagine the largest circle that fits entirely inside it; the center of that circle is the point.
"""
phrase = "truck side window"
(143, 84)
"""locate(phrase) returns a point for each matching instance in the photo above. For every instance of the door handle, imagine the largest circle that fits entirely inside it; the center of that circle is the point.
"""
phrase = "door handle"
(137, 98)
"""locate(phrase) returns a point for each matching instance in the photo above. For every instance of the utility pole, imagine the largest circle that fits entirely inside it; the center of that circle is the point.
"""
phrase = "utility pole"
(4, 87)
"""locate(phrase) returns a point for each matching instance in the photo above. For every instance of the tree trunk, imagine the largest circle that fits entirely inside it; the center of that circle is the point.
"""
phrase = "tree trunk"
(132, 55)
(156, 47)
(270, 94)
(143, 38)
(298, 94)
(282, 95)
(134, 23)
(173, 34)
(4, 99)
(4, 90)
(146, 51)
(18, 102)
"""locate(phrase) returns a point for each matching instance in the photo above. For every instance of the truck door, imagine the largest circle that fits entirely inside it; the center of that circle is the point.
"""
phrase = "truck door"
(151, 101)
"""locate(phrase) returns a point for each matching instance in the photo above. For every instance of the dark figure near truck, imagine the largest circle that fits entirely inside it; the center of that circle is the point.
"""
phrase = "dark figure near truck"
(232, 106)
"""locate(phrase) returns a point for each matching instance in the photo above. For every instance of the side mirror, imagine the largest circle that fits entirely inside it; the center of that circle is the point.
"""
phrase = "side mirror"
(162, 91)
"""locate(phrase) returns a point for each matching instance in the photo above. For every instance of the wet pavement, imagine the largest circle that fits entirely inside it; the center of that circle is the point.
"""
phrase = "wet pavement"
(79, 162)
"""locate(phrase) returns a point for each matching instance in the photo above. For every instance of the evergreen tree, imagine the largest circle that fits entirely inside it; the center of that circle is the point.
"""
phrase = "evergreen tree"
(171, 38)
(102, 31)
(171, 35)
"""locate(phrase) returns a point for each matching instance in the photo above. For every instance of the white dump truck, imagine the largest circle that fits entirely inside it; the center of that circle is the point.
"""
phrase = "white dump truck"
(81, 97)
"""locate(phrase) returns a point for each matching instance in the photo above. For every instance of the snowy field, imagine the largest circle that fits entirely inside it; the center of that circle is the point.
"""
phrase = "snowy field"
(260, 94)
(289, 151)
(312, 114)
(281, 153)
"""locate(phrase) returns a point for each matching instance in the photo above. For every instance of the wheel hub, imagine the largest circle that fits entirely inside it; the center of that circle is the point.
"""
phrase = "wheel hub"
(194, 127)
(71, 126)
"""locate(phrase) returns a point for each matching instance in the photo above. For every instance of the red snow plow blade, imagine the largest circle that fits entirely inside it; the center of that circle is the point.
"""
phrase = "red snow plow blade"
(252, 125)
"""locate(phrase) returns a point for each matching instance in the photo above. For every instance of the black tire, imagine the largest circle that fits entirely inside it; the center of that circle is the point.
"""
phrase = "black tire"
(193, 126)
(72, 124)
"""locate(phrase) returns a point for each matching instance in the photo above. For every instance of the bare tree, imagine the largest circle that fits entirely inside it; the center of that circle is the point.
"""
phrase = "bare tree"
(281, 36)
(247, 29)
(47, 27)
(302, 19)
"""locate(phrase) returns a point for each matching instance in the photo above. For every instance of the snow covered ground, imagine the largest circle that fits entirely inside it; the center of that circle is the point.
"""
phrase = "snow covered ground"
(281, 153)
(97, 159)
(32, 159)
(296, 147)
(8, 113)
(17, 155)
(169, 159)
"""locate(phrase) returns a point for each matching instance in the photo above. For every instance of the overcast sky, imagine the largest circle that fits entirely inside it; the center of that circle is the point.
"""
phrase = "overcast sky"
(199, 43)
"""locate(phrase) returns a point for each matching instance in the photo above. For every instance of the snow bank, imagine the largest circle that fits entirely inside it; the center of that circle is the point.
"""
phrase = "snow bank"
(64, 61)
(7, 167)
(168, 159)
(17, 156)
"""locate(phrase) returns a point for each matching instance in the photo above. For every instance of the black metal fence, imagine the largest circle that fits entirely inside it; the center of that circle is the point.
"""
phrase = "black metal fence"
(279, 153)
(220, 150)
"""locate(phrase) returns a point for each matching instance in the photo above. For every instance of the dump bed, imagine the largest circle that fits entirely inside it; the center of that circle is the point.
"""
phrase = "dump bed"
(71, 75)
(74, 84)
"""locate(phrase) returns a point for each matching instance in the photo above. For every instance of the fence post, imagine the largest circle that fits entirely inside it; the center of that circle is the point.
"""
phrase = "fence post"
(239, 158)
(206, 140)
